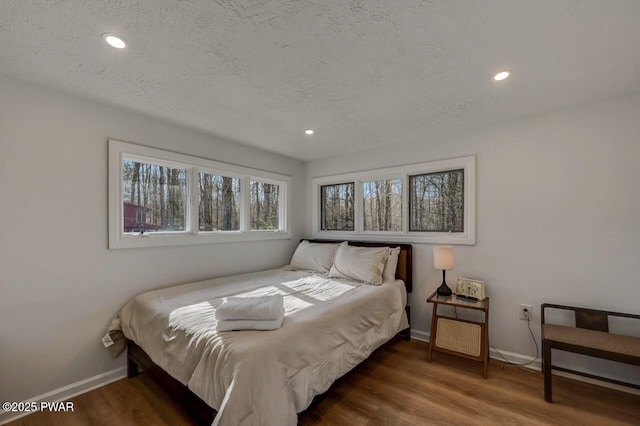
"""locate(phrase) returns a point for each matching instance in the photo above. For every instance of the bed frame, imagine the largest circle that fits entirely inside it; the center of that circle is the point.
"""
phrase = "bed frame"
(137, 359)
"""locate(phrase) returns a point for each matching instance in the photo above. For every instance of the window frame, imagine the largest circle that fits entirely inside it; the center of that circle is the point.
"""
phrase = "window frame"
(118, 239)
(467, 237)
(196, 211)
(360, 199)
(140, 158)
(282, 209)
(410, 201)
(323, 210)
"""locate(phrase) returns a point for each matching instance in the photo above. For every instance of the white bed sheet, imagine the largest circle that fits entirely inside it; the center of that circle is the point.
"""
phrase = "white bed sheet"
(264, 377)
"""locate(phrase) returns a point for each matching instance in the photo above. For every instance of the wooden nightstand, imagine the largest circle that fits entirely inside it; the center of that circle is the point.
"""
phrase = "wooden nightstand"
(468, 339)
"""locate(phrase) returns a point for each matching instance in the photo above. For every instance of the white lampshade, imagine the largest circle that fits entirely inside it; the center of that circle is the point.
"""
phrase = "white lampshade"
(443, 257)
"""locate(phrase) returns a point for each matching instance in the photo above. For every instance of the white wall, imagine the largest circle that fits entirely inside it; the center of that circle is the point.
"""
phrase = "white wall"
(558, 216)
(59, 283)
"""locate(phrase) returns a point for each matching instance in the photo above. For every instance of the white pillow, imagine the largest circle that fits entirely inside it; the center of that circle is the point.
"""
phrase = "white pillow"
(360, 263)
(390, 267)
(313, 256)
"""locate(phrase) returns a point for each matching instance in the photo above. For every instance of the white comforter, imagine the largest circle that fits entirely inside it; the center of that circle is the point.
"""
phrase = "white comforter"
(264, 377)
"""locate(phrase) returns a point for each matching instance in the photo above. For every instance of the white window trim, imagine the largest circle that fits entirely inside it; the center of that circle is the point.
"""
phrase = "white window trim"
(119, 240)
(282, 209)
(468, 237)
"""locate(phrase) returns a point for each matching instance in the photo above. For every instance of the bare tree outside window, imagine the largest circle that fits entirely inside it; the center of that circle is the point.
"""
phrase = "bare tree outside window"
(437, 202)
(219, 203)
(382, 205)
(154, 197)
(264, 206)
(337, 203)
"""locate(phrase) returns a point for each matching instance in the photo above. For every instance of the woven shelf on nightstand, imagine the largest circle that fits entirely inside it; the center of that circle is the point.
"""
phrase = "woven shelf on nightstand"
(459, 336)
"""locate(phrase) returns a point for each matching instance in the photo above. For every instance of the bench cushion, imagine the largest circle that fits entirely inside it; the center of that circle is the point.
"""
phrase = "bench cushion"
(610, 342)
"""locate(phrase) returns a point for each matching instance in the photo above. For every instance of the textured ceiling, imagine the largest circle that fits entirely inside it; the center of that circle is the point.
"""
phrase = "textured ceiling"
(361, 73)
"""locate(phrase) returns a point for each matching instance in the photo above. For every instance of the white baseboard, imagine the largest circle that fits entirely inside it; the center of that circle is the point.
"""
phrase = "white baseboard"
(535, 365)
(420, 335)
(67, 392)
(515, 358)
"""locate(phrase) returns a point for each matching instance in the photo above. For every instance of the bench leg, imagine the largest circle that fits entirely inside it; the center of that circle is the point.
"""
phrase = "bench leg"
(546, 367)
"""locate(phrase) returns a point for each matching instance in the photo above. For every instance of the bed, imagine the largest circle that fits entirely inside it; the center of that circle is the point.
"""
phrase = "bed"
(263, 377)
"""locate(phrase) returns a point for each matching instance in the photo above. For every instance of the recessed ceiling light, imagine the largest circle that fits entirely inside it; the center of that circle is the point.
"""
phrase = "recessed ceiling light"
(114, 40)
(309, 132)
(501, 75)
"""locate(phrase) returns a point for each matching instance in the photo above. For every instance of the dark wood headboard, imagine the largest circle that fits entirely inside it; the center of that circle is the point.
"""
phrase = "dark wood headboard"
(404, 271)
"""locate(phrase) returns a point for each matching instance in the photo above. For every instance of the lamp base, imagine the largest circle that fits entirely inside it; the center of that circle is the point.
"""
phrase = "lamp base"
(444, 290)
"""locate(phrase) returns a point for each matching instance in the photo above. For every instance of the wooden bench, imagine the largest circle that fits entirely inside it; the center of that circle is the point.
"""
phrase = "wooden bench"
(589, 337)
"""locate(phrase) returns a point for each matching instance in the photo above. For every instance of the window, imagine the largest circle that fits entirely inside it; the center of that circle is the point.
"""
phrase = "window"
(337, 207)
(430, 202)
(437, 202)
(154, 197)
(219, 208)
(382, 205)
(159, 198)
(264, 206)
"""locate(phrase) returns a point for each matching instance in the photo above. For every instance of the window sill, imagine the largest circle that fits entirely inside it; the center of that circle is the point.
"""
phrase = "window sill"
(401, 237)
(158, 240)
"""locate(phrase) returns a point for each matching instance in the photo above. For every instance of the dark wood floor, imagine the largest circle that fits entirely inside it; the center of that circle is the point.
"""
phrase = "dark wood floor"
(395, 386)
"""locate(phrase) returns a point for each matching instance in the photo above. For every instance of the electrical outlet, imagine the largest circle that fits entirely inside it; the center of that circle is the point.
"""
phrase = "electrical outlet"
(525, 312)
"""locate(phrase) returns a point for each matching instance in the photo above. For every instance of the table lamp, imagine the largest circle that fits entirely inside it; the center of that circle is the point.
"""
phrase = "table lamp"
(443, 259)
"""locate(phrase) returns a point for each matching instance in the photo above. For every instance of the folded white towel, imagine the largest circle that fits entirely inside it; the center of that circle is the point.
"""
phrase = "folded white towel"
(230, 325)
(262, 308)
